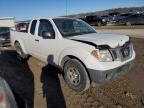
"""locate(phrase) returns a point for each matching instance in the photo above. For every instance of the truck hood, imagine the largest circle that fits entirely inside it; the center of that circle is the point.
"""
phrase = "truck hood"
(112, 40)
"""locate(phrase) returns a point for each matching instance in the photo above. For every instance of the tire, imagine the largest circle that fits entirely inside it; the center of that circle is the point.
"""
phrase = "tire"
(128, 23)
(76, 75)
(20, 52)
(99, 24)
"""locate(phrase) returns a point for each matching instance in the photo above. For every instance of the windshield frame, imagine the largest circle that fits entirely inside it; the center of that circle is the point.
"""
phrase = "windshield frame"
(75, 34)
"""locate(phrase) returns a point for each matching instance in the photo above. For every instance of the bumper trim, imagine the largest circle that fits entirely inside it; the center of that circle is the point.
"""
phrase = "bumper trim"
(100, 77)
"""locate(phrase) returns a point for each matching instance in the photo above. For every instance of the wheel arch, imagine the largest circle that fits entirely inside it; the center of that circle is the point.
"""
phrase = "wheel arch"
(68, 57)
(21, 44)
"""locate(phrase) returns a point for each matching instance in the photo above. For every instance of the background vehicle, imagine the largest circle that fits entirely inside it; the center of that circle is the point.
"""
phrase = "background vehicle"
(94, 20)
(110, 19)
(4, 36)
(7, 99)
(85, 56)
(133, 19)
(6, 23)
(121, 16)
(105, 18)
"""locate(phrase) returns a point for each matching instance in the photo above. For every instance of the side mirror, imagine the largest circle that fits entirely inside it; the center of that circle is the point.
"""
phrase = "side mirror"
(47, 35)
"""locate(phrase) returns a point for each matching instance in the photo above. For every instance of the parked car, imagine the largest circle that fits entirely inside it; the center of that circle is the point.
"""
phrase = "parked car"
(105, 18)
(86, 57)
(4, 36)
(112, 16)
(108, 19)
(122, 16)
(94, 20)
(7, 99)
(133, 19)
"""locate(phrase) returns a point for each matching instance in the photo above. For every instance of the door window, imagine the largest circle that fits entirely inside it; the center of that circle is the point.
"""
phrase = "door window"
(33, 26)
(45, 26)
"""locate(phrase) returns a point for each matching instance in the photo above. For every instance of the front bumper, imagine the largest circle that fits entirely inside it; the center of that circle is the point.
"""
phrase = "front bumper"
(101, 77)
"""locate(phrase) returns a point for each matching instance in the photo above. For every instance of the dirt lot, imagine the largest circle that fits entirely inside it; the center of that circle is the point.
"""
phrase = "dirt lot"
(139, 33)
(112, 26)
(45, 87)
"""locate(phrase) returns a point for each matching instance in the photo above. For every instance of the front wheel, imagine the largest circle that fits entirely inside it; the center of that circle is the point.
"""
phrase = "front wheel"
(99, 24)
(76, 75)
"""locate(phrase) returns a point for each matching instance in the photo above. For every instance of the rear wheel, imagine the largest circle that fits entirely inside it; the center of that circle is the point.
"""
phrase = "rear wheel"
(99, 24)
(20, 51)
(128, 23)
(76, 75)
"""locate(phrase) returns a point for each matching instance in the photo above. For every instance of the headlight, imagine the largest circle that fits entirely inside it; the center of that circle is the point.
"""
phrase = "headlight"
(6, 97)
(105, 56)
(103, 20)
(102, 55)
(2, 39)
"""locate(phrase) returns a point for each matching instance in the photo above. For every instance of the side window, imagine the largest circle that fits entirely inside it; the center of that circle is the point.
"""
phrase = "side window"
(45, 26)
(33, 26)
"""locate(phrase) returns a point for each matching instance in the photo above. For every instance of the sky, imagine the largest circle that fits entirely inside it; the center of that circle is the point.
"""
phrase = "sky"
(27, 9)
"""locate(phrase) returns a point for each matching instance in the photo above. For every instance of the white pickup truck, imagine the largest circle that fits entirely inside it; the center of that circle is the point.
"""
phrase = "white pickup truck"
(85, 56)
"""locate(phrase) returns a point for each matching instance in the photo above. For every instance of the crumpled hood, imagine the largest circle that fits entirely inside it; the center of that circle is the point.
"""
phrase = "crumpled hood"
(112, 40)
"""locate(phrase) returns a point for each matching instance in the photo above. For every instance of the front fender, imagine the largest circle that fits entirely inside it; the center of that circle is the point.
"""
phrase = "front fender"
(81, 54)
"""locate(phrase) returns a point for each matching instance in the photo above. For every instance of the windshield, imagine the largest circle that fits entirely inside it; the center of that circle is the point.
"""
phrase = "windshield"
(72, 27)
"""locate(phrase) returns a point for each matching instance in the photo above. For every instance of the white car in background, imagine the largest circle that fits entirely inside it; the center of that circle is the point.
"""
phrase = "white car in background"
(84, 55)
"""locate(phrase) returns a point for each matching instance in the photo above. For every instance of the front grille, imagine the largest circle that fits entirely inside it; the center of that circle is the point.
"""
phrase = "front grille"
(122, 53)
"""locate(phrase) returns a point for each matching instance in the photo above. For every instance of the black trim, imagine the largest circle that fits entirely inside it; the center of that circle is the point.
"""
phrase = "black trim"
(100, 77)
(90, 43)
(96, 46)
(100, 47)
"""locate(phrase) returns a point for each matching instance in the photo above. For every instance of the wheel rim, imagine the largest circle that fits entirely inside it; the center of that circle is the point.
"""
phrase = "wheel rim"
(73, 76)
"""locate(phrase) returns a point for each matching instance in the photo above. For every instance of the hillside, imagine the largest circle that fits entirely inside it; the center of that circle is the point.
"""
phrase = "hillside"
(106, 12)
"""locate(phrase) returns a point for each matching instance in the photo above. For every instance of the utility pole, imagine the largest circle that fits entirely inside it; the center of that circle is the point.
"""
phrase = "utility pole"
(66, 7)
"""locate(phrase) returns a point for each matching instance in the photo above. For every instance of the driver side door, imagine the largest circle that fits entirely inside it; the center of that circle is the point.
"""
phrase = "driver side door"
(46, 46)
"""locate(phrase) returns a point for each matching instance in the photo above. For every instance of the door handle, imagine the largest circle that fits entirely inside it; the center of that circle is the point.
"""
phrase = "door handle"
(37, 40)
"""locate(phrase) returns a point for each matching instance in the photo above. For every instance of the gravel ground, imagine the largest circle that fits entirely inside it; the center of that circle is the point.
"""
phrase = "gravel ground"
(43, 86)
